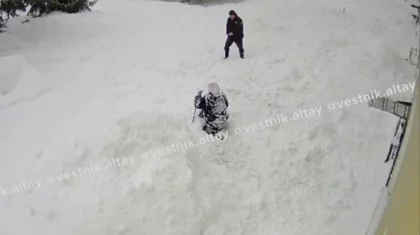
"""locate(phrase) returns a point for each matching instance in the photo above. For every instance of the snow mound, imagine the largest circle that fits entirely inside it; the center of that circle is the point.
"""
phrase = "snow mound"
(19, 81)
(10, 73)
(120, 99)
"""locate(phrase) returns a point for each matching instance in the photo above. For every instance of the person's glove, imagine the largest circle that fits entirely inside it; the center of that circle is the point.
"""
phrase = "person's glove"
(230, 34)
(197, 98)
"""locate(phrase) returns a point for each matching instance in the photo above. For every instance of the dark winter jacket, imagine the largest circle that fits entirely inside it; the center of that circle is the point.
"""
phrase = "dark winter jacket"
(235, 26)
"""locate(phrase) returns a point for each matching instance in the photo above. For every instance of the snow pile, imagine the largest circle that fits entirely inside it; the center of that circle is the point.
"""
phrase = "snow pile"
(10, 72)
(109, 145)
(19, 81)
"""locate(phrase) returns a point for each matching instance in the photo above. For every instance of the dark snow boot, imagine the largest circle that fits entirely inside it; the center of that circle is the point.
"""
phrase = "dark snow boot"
(226, 54)
(242, 56)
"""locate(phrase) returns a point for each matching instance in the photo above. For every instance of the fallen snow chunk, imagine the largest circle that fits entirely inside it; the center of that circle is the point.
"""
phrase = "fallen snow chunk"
(19, 81)
(10, 72)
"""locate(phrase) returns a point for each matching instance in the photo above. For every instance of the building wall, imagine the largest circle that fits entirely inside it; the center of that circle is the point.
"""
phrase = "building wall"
(402, 214)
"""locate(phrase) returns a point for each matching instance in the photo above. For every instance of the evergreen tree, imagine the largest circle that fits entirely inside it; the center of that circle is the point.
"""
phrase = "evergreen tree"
(41, 7)
(9, 8)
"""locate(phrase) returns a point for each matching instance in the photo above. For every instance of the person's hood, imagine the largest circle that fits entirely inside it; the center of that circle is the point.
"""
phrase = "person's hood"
(213, 89)
(232, 12)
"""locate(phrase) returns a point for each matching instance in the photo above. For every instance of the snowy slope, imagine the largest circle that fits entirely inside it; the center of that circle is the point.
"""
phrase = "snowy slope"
(109, 88)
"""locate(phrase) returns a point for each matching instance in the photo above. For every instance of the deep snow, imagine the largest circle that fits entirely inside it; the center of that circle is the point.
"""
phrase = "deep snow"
(109, 85)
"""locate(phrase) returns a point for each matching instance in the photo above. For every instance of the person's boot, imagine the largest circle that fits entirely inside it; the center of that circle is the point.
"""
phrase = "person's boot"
(226, 54)
(242, 56)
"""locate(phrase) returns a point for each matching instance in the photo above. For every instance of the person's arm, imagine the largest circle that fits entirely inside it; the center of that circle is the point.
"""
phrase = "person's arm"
(199, 102)
(226, 100)
(241, 27)
(228, 27)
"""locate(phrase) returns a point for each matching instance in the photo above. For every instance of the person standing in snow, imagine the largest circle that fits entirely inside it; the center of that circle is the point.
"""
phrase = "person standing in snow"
(213, 109)
(235, 33)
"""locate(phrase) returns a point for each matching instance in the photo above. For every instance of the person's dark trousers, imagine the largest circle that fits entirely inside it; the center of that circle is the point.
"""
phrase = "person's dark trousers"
(238, 41)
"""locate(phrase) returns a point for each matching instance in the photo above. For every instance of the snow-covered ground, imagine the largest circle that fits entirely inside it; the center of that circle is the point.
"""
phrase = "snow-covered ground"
(113, 90)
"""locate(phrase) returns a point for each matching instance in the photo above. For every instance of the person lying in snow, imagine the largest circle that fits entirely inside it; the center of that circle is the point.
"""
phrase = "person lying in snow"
(213, 109)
